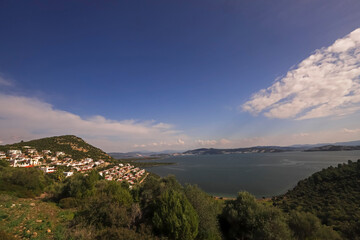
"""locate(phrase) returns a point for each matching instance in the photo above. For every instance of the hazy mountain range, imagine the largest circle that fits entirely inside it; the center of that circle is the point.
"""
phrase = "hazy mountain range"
(338, 146)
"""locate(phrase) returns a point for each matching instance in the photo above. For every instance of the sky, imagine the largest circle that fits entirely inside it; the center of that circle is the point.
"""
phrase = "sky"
(160, 75)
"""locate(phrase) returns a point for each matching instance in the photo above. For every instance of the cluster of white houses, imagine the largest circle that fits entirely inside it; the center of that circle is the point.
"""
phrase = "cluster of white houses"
(30, 157)
(48, 162)
(123, 172)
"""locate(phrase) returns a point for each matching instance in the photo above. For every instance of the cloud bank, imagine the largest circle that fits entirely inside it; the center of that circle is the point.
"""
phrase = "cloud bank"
(325, 84)
(24, 118)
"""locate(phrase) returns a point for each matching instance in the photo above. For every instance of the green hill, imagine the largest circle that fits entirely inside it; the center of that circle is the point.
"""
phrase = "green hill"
(332, 194)
(69, 144)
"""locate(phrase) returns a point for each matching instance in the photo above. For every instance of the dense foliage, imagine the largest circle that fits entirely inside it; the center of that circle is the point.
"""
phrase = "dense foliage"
(246, 218)
(175, 217)
(72, 145)
(163, 209)
(22, 182)
(159, 209)
(207, 209)
(332, 194)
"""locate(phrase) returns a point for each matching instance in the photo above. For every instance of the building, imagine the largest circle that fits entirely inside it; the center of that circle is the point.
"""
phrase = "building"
(60, 154)
(48, 169)
(68, 174)
(14, 152)
(31, 151)
(46, 151)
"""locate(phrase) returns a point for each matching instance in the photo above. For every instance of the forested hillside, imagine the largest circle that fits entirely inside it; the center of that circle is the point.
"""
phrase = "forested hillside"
(69, 144)
(332, 194)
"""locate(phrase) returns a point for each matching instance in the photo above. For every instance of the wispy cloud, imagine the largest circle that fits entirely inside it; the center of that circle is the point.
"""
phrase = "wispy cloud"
(325, 84)
(172, 143)
(5, 82)
(213, 143)
(24, 118)
(356, 130)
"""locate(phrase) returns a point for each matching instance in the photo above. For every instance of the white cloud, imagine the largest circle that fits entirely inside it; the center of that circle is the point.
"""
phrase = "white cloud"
(357, 130)
(325, 84)
(213, 143)
(301, 135)
(224, 141)
(206, 142)
(314, 137)
(24, 118)
(172, 143)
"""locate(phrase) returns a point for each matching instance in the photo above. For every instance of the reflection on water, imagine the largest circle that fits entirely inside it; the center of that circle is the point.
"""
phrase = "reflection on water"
(262, 174)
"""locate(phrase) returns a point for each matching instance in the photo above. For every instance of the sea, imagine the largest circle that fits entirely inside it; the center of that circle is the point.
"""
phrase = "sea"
(261, 174)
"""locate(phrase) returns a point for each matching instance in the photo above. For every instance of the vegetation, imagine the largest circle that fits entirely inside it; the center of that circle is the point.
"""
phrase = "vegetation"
(22, 182)
(71, 145)
(85, 206)
(175, 217)
(332, 194)
(208, 210)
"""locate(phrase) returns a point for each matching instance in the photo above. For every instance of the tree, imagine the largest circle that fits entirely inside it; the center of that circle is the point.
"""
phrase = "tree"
(244, 218)
(308, 226)
(207, 209)
(108, 207)
(175, 217)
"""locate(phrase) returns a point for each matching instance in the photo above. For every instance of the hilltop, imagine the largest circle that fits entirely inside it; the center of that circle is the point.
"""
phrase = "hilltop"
(69, 144)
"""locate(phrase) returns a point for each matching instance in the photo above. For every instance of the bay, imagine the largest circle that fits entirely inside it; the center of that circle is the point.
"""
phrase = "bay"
(261, 174)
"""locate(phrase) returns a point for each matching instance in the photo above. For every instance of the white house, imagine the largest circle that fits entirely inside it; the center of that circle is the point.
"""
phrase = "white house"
(60, 154)
(48, 169)
(31, 150)
(46, 151)
(15, 152)
(68, 174)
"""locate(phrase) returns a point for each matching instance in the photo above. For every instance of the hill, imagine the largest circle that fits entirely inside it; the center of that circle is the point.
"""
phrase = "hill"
(333, 148)
(69, 144)
(332, 194)
(207, 151)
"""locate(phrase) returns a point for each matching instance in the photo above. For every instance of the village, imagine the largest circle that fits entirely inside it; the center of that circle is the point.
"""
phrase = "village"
(49, 162)
(126, 172)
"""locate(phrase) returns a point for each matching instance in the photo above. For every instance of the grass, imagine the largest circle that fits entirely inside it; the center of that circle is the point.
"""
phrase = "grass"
(32, 218)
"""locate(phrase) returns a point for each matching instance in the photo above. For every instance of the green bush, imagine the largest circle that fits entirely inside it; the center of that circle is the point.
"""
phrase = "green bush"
(208, 209)
(22, 182)
(69, 202)
(245, 218)
(175, 217)
(308, 226)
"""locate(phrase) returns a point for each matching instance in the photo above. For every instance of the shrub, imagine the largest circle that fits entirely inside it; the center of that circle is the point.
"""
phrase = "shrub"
(175, 217)
(69, 202)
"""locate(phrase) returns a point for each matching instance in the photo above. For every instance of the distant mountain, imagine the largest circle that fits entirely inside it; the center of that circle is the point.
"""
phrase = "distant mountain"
(351, 143)
(142, 154)
(333, 148)
(69, 144)
(339, 146)
(266, 149)
(307, 146)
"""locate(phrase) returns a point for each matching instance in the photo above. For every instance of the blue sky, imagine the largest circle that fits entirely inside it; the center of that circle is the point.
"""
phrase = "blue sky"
(155, 75)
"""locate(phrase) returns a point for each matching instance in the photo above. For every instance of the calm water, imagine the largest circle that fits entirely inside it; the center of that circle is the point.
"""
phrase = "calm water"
(262, 174)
